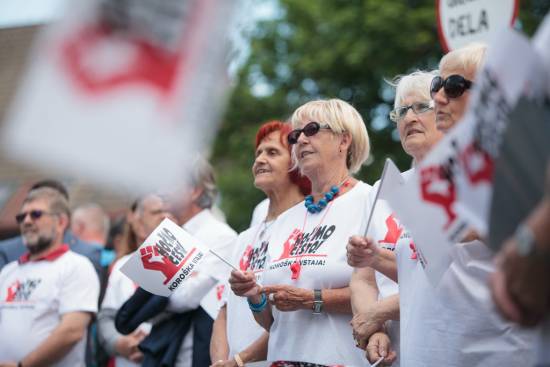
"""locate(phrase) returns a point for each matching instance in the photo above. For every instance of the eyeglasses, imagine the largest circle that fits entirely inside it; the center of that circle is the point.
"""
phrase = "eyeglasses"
(34, 214)
(399, 113)
(310, 129)
(454, 86)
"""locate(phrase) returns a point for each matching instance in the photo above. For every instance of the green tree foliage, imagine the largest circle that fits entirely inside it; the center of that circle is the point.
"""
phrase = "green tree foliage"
(323, 49)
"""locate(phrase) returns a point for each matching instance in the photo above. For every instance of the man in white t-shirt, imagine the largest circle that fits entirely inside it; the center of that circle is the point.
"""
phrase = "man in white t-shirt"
(48, 296)
(150, 210)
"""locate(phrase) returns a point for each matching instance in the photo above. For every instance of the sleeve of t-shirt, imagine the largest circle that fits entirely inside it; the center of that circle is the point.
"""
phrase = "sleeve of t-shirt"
(79, 287)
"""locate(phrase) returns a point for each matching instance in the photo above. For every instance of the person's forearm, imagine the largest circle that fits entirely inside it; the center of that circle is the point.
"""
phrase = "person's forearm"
(62, 339)
(219, 349)
(388, 308)
(190, 294)
(263, 318)
(364, 291)
(257, 351)
(106, 331)
(386, 263)
(336, 300)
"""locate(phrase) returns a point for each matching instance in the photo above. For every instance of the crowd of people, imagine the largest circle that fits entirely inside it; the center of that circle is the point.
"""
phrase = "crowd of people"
(313, 285)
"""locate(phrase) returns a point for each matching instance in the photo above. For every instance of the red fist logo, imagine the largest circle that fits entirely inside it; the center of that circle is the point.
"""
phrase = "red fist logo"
(153, 260)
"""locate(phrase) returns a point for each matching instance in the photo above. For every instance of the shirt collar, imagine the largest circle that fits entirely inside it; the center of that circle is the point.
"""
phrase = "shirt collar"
(50, 256)
(196, 222)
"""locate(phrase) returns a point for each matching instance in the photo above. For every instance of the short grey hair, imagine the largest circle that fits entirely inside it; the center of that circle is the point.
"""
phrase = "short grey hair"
(57, 202)
(94, 216)
(202, 176)
(416, 83)
(469, 57)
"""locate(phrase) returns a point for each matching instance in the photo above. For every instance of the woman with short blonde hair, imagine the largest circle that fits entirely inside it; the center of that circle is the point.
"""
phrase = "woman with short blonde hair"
(304, 302)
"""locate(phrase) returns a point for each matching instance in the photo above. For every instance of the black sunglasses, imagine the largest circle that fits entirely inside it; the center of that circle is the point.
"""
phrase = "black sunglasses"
(399, 113)
(310, 129)
(454, 86)
(34, 214)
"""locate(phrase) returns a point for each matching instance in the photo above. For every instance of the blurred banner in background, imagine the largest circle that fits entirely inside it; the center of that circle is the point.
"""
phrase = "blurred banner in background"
(124, 93)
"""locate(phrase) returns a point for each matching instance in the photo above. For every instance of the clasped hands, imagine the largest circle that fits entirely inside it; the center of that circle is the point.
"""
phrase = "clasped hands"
(283, 297)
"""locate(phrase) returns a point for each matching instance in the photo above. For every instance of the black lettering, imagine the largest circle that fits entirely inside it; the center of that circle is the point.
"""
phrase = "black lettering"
(329, 232)
(319, 233)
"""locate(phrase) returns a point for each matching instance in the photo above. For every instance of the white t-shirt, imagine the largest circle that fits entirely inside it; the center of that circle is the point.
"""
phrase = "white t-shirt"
(218, 236)
(260, 212)
(119, 289)
(301, 335)
(35, 295)
(457, 323)
(250, 254)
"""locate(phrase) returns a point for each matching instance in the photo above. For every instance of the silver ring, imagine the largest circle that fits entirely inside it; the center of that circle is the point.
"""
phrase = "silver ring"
(272, 297)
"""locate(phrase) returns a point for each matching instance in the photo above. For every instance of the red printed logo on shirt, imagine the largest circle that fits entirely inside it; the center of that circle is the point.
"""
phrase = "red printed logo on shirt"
(21, 291)
(254, 258)
(300, 244)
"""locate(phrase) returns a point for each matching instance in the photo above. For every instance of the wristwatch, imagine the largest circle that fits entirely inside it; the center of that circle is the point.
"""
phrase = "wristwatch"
(525, 240)
(317, 302)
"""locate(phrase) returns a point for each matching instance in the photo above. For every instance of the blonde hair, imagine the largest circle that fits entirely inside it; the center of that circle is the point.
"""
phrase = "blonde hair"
(416, 83)
(341, 117)
(469, 57)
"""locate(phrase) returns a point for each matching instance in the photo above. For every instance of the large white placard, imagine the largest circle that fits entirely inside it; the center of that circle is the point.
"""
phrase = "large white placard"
(123, 93)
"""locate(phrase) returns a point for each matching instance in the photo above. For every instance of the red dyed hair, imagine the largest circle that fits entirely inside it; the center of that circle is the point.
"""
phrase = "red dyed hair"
(267, 128)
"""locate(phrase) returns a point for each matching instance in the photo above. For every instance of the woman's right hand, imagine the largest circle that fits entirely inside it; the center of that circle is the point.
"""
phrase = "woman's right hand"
(361, 251)
(244, 284)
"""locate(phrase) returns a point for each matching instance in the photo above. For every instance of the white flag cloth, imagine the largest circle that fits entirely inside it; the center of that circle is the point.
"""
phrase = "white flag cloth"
(214, 300)
(165, 260)
(122, 93)
(405, 199)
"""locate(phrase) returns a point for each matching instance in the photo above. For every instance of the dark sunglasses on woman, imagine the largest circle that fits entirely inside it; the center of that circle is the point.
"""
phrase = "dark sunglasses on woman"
(454, 86)
(310, 129)
(35, 214)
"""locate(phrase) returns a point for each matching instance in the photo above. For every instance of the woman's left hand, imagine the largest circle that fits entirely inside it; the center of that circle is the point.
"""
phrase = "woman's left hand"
(288, 298)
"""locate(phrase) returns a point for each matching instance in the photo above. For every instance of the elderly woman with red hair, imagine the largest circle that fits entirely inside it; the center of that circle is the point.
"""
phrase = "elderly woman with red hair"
(237, 338)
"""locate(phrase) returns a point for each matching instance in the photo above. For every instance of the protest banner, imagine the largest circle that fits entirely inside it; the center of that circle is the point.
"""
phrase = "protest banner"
(451, 189)
(405, 197)
(123, 93)
(167, 258)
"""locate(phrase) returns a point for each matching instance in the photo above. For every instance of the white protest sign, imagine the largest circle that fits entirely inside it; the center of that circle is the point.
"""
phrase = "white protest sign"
(460, 22)
(165, 260)
(214, 300)
(421, 220)
(122, 93)
(463, 161)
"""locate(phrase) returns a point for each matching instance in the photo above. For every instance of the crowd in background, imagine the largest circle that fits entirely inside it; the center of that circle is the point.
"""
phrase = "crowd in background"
(312, 286)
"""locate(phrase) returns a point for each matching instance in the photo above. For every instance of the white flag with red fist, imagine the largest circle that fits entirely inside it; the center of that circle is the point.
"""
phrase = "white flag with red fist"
(122, 93)
(167, 258)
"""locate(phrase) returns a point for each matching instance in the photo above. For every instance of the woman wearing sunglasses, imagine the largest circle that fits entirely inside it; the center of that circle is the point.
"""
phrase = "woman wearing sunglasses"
(305, 299)
(236, 337)
(455, 324)
(450, 90)
(375, 319)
